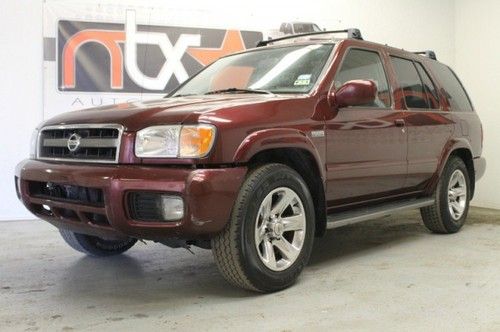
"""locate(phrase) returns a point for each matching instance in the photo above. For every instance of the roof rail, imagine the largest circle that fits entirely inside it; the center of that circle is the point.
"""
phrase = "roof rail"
(430, 54)
(351, 33)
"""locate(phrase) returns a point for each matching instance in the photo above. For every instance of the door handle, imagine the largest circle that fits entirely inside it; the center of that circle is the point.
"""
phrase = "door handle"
(399, 122)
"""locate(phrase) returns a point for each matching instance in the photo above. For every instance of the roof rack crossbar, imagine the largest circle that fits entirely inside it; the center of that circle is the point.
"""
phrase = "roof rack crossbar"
(351, 33)
(428, 53)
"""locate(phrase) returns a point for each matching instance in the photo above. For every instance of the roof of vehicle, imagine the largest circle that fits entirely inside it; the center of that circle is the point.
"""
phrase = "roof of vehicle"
(315, 38)
(327, 37)
(351, 33)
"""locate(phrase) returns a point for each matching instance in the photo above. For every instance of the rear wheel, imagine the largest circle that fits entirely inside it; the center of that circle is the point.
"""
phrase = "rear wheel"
(269, 238)
(452, 196)
(95, 246)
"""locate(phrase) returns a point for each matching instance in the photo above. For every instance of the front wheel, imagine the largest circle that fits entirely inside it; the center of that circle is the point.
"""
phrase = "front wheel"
(452, 196)
(269, 238)
(95, 246)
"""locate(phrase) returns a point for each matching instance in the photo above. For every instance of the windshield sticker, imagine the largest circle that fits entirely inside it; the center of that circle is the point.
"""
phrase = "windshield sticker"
(304, 79)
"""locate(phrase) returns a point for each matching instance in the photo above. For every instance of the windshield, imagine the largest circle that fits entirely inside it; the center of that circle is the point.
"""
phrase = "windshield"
(290, 69)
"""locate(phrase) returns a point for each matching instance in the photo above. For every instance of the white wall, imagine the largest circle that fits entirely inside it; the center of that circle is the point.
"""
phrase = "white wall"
(477, 62)
(20, 92)
(413, 25)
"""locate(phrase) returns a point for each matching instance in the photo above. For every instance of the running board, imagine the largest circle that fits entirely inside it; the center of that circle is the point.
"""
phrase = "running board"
(378, 211)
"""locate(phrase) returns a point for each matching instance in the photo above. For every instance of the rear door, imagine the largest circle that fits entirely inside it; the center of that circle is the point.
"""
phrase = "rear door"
(429, 125)
(366, 146)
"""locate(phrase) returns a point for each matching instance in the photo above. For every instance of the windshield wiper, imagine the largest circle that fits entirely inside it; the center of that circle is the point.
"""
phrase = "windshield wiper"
(237, 90)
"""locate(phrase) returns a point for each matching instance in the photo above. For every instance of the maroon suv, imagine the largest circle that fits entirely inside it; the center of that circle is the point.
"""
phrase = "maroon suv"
(259, 153)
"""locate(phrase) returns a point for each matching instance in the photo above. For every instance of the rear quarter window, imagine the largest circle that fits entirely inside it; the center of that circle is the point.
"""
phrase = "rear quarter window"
(453, 88)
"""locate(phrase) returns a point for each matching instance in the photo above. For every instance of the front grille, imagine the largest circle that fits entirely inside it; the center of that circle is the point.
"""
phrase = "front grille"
(85, 143)
(66, 193)
(145, 206)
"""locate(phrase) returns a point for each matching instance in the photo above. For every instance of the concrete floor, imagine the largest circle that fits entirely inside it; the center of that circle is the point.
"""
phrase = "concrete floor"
(388, 274)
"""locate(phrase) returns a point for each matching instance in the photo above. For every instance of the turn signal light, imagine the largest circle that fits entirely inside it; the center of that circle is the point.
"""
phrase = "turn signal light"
(196, 141)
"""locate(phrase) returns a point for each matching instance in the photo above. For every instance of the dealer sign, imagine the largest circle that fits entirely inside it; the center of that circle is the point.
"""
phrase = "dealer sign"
(131, 58)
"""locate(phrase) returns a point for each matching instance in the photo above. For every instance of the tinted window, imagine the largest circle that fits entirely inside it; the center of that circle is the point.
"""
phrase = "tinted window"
(430, 89)
(365, 65)
(452, 87)
(411, 88)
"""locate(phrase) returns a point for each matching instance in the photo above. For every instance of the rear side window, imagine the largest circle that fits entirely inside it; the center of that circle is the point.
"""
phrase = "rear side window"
(453, 89)
(365, 65)
(411, 88)
(429, 87)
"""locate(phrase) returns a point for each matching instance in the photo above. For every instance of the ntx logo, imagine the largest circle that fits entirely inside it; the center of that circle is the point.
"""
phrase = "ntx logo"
(131, 58)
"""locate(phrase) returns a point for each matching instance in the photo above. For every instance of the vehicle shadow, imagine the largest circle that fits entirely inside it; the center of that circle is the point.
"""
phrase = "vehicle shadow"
(343, 243)
(160, 275)
(175, 277)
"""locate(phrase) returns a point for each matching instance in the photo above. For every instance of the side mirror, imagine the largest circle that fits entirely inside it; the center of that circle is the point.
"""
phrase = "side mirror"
(353, 93)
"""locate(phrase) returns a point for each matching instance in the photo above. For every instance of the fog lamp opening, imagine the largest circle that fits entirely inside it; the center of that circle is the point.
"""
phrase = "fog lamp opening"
(155, 206)
(172, 207)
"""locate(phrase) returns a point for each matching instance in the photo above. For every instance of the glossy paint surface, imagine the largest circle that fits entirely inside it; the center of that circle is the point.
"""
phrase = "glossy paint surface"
(354, 93)
(208, 194)
(363, 154)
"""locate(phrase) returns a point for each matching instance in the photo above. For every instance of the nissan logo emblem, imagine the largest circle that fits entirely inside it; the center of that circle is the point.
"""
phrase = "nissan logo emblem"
(73, 142)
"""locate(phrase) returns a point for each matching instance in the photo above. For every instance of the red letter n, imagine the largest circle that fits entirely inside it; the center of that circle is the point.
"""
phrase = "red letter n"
(109, 39)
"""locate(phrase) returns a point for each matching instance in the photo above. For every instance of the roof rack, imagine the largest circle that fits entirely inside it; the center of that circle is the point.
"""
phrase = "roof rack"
(430, 54)
(351, 33)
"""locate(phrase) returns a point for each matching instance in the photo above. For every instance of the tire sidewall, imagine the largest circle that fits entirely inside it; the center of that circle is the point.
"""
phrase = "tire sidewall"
(261, 276)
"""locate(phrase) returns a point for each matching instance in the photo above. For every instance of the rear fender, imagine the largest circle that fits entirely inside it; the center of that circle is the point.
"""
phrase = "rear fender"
(452, 145)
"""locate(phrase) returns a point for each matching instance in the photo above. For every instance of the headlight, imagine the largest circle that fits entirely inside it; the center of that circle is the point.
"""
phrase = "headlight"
(33, 144)
(158, 141)
(193, 141)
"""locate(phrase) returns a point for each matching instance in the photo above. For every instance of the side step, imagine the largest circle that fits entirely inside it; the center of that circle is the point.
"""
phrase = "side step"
(374, 212)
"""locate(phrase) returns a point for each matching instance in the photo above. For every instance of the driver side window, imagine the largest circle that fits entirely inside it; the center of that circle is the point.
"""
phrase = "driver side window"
(365, 65)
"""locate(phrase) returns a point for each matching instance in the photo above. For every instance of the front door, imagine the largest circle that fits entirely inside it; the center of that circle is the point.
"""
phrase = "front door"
(366, 146)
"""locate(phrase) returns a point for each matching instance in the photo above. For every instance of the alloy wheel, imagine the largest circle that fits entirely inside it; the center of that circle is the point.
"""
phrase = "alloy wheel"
(457, 194)
(280, 229)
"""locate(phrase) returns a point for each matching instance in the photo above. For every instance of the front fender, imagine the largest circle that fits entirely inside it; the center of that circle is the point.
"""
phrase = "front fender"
(276, 138)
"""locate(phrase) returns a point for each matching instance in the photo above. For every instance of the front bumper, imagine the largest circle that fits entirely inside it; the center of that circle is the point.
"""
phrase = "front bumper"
(208, 194)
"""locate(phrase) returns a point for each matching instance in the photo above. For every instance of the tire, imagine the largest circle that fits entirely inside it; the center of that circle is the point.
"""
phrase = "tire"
(252, 251)
(446, 216)
(95, 246)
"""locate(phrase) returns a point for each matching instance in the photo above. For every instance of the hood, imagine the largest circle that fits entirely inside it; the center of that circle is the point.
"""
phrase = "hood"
(137, 115)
